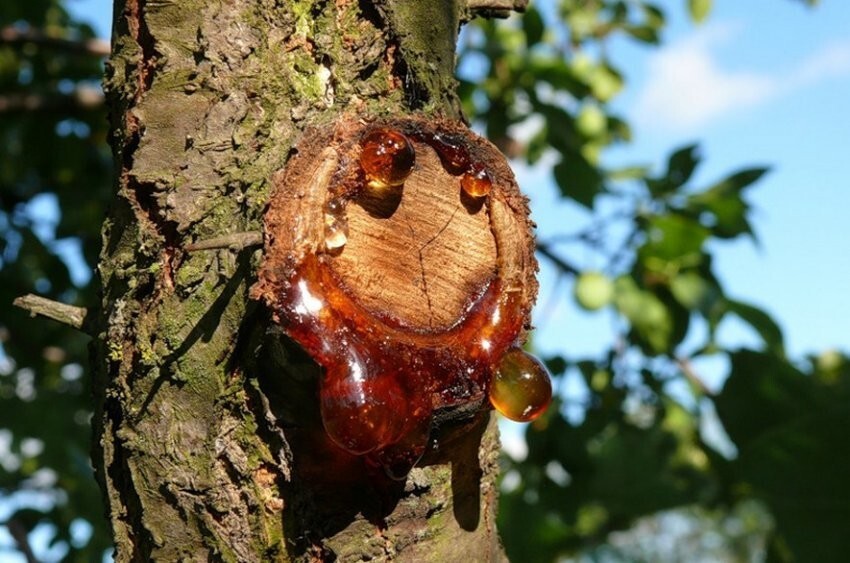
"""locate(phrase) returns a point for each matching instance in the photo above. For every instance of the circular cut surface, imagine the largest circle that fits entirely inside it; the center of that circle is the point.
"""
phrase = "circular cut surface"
(420, 251)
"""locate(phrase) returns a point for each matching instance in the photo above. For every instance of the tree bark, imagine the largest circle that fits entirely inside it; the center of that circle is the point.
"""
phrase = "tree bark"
(207, 447)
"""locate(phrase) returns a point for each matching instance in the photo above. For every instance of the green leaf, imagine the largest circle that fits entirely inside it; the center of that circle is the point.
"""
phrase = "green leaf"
(733, 184)
(533, 26)
(651, 320)
(643, 33)
(556, 365)
(672, 242)
(792, 451)
(654, 16)
(699, 9)
(761, 322)
(724, 203)
(692, 290)
(680, 168)
(578, 179)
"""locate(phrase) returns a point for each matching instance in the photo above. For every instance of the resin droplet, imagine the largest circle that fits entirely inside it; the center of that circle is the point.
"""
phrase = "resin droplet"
(361, 411)
(521, 389)
(336, 231)
(399, 458)
(387, 157)
(452, 154)
(476, 182)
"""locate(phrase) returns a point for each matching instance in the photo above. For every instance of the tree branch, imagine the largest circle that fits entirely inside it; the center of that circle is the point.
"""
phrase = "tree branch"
(19, 533)
(66, 314)
(233, 241)
(83, 97)
(495, 8)
(693, 377)
(15, 35)
(559, 262)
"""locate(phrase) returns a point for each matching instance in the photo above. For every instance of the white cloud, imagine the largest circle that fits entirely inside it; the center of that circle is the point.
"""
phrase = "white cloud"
(830, 61)
(687, 86)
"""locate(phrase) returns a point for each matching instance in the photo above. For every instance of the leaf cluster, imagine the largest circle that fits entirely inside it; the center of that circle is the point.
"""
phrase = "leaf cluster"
(633, 443)
(54, 181)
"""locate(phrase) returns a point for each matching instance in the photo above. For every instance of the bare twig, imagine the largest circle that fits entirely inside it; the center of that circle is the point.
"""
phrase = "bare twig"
(233, 241)
(19, 533)
(498, 5)
(493, 8)
(16, 35)
(693, 377)
(65, 314)
(84, 97)
(561, 264)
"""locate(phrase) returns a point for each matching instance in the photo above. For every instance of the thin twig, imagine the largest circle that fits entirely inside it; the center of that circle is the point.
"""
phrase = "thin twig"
(16, 35)
(83, 97)
(497, 5)
(233, 241)
(562, 265)
(65, 314)
(19, 533)
(693, 377)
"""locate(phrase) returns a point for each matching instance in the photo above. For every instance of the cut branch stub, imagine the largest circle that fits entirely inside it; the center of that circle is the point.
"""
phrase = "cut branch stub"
(399, 254)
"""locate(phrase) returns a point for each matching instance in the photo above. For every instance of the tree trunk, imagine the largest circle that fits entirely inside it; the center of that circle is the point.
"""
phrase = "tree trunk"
(204, 414)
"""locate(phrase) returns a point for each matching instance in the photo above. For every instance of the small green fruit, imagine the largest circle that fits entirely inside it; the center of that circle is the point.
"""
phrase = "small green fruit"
(593, 290)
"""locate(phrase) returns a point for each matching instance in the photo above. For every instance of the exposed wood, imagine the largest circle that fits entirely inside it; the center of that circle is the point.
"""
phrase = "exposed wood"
(418, 254)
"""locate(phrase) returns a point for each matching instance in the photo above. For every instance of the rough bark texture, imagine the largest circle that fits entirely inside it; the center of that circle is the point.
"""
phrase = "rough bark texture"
(209, 444)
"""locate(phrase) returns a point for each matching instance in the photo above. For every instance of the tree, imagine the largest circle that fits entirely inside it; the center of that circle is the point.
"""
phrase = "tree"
(207, 441)
(208, 102)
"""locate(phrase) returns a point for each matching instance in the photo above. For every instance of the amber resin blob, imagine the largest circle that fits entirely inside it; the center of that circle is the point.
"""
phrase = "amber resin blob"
(387, 157)
(521, 389)
(390, 370)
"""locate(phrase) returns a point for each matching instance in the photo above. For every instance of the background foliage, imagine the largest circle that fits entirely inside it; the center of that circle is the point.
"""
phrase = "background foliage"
(607, 487)
(53, 157)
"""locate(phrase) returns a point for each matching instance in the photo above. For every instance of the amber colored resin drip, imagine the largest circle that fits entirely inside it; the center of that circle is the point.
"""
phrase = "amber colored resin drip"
(453, 155)
(387, 157)
(521, 389)
(476, 181)
(382, 382)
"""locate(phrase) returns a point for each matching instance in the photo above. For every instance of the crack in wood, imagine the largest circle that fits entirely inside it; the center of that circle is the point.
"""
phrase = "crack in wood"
(421, 254)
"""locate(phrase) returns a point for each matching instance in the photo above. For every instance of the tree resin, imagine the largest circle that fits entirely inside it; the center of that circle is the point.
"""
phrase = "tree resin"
(387, 157)
(521, 389)
(383, 380)
(476, 182)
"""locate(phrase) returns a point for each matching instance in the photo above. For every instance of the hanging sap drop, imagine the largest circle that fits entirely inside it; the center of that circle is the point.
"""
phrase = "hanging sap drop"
(452, 153)
(476, 182)
(361, 411)
(521, 388)
(387, 157)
